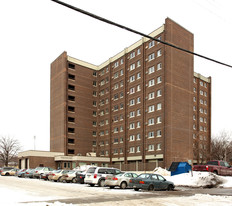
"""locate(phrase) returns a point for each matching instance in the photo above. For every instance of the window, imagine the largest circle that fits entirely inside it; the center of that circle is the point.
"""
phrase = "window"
(151, 95)
(194, 89)
(94, 93)
(94, 133)
(201, 92)
(94, 103)
(71, 109)
(71, 141)
(115, 151)
(132, 90)
(151, 108)
(151, 56)
(159, 53)
(116, 64)
(138, 136)
(159, 38)
(116, 130)
(121, 61)
(71, 151)
(159, 106)
(132, 54)
(107, 100)
(132, 137)
(138, 88)
(132, 114)
(71, 76)
(159, 80)
(132, 149)
(121, 117)
(132, 78)
(102, 92)
(138, 63)
(121, 105)
(151, 70)
(201, 83)
(151, 44)
(116, 140)
(138, 51)
(107, 69)
(94, 113)
(115, 75)
(132, 126)
(151, 121)
(150, 134)
(138, 125)
(121, 139)
(115, 118)
(132, 67)
(121, 95)
(121, 72)
(107, 121)
(107, 79)
(151, 147)
(115, 107)
(71, 130)
(71, 98)
(102, 133)
(94, 83)
(158, 120)
(138, 75)
(138, 112)
(205, 93)
(151, 82)
(121, 84)
(115, 96)
(158, 133)
(138, 149)
(138, 100)
(159, 93)
(132, 102)
(159, 66)
(116, 86)
(194, 117)
(194, 99)
(158, 147)
(71, 66)
(71, 119)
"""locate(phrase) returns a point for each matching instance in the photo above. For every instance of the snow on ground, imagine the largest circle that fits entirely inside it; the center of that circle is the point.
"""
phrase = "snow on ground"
(18, 197)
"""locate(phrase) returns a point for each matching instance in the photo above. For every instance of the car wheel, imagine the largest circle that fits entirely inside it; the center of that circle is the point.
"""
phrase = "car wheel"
(215, 172)
(151, 188)
(74, 180)
(7, 174)
(111, 187)
(59, 179)
(170, 188)
(91, 185)
(101, 183)
(136, 189)
(123, 185)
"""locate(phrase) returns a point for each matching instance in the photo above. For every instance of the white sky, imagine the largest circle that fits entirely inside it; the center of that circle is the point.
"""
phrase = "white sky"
(34, 33)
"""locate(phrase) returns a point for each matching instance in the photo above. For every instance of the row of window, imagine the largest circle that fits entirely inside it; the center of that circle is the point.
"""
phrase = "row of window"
(201, 128)
(203, 84)
(201, 119)
(200, 137)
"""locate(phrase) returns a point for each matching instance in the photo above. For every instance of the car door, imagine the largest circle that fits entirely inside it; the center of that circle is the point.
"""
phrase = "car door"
(155, 181)
(163, 183)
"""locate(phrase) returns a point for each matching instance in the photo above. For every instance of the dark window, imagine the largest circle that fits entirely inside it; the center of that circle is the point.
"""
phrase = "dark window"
(71, 141)
(95, 74)
(94, 143)
(94, 133)
(71, 130)
(71, 66)
(70, 151)
(71, 98)
(71, 76)
(71, 87)
(71, 109)
(91, 170)
(94, 113)
(102, 171)
(71, 119)
(94, 83)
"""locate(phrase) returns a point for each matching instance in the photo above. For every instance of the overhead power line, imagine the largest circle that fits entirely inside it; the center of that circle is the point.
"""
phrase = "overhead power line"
(136, 32)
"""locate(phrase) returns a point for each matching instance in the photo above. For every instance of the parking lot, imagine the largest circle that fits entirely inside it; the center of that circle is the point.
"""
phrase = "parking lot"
(39, 192)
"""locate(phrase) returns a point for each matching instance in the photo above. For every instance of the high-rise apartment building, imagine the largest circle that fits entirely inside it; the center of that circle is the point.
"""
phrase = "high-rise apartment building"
(142, 108)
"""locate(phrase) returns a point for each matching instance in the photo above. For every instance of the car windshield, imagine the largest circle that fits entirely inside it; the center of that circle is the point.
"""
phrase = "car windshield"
(38, 168)
(144, 176)
(71, 171)
(119, 175)
(91, 170)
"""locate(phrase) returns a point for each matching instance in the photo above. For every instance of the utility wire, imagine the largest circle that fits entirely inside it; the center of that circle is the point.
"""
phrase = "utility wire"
(136, 32)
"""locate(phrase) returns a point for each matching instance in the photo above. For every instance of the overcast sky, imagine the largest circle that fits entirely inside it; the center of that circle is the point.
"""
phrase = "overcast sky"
(33, 33)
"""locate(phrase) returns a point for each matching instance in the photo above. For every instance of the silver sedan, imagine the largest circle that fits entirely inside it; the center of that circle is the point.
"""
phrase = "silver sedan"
(121, 180)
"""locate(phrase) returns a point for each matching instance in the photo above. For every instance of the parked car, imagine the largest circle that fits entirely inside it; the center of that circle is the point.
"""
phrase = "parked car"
(69, 177)
(56, 175)
(41, 170)
(10, 172)
(96, 175)
(215, 166)
(5, 168)
(121, 180)
(29, 173)
(148, 181)
(80, 177)
(21, 173)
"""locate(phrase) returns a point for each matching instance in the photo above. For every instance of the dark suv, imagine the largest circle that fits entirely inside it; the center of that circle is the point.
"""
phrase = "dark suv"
(96, 175)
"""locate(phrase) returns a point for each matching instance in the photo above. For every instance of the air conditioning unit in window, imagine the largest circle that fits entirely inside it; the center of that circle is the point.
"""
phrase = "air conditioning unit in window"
(146, 60)
(146, 47)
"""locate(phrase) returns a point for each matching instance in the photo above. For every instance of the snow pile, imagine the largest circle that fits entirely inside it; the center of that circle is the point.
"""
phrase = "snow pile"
(161, 171)
(198, 179)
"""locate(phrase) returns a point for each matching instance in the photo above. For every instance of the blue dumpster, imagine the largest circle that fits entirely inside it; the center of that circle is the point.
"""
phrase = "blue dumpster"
(179, 168)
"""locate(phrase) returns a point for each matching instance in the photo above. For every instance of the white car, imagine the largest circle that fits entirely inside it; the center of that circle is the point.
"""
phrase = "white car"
(41, 170)
(96, 175)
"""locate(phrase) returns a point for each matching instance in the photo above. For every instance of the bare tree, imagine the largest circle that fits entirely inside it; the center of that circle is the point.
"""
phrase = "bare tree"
(9, 148)
(221, 146)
